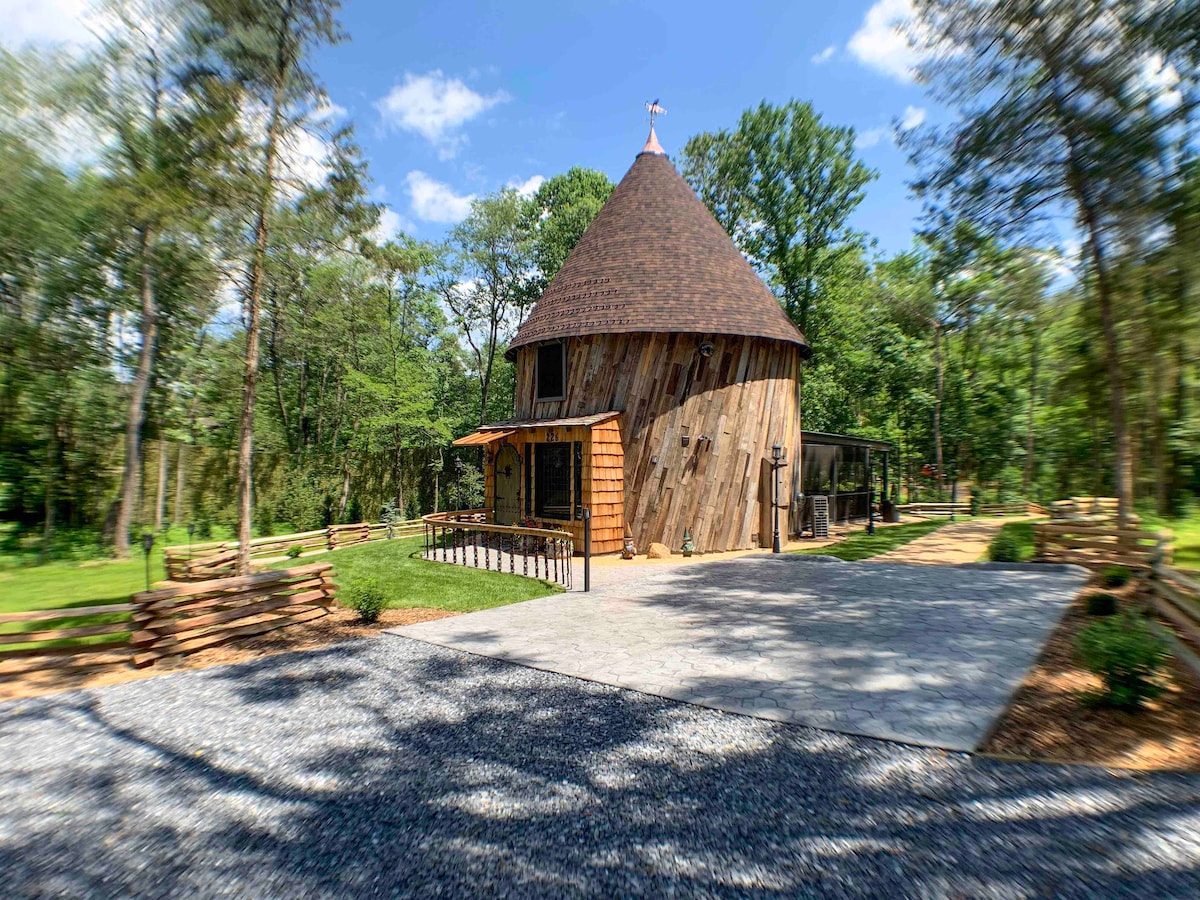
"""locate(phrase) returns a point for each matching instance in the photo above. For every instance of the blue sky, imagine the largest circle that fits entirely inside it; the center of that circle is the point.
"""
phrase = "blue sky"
(458, 98)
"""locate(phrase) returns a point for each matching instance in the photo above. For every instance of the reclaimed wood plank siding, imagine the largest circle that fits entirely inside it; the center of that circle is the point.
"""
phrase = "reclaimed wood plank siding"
(732, 406)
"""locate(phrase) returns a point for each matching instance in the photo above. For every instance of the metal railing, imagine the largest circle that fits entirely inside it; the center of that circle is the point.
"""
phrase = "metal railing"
(469, 538)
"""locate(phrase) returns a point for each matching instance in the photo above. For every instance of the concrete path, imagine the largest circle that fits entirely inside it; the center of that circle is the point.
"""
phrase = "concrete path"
(386, 767)
(958, 542)
(923, 654)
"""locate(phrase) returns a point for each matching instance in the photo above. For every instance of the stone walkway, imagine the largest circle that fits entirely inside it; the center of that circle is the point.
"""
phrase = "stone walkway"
(964, 541)
(923, 654)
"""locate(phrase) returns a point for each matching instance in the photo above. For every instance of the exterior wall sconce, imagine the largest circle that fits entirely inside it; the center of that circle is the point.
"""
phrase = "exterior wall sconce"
(685, 436)
(706, 349)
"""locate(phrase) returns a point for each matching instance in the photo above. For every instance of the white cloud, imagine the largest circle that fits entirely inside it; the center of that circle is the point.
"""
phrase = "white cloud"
(871, 136)
(819, 59)
(391, 225)
(44, 22)
(435, 107)
(433, 201)
(328, 112)
(880, 42)
(529, 186)
(914, 117)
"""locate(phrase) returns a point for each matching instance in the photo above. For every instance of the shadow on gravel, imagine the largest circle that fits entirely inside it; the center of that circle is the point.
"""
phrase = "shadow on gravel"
(382, 767)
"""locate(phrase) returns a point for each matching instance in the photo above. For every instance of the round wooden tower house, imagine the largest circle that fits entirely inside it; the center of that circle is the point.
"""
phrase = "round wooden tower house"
(656, 377)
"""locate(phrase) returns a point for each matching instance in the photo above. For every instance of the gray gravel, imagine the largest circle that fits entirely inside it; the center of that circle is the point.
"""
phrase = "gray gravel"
(391, 767)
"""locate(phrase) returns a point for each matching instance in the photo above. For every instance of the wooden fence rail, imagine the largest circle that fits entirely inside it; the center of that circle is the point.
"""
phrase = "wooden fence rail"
(51, 638)
(936, 509)
(1176, 597)
(1016, 508)
(171, 622)
(218, 559)
(1099, 545)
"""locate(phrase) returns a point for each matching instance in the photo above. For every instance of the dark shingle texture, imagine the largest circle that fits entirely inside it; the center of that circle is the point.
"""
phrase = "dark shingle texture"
(654, 259)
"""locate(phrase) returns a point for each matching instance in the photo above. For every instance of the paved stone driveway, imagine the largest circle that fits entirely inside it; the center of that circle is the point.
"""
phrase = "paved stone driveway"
(923, 654)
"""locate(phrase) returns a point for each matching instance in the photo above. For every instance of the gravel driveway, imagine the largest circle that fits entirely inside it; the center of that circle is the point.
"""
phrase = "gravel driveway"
(391, 767)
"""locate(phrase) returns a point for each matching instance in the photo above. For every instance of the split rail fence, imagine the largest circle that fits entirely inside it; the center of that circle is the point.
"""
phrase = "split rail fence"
(1097, 546)
(174, 621)
(1176, 597)
(933, 508)
(218, 559)
(77, 637)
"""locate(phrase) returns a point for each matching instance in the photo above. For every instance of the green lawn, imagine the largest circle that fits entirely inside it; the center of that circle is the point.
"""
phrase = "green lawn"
(861, 545)
(1186, 541)
(407, 580)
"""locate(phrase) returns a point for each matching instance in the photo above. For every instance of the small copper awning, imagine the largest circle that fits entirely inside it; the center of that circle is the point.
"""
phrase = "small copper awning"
(479, 438)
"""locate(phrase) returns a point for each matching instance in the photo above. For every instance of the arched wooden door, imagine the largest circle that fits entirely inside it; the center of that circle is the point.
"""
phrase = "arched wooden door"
(508, 486)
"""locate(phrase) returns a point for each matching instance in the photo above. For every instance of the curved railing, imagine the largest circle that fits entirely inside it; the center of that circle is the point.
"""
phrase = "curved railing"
(467, 537)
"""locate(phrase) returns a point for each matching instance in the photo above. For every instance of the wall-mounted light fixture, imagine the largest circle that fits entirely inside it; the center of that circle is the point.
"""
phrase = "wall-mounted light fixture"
(685, 436)
(706, 349)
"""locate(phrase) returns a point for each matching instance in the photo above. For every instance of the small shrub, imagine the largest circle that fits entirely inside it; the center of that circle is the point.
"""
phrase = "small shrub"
(294, 551)
(1101, 605)
(1127, 656)
(1004, 547)
(366, 598)
(1117, 576)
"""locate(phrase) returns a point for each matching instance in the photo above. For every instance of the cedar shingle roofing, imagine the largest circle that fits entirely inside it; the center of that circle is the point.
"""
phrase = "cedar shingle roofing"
(654, 259)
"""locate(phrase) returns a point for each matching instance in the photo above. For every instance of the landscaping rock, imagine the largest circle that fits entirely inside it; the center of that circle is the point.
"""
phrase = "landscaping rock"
(658, 551)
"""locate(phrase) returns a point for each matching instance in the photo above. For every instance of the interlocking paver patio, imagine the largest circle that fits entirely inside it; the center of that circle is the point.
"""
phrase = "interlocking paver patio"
(923, 654)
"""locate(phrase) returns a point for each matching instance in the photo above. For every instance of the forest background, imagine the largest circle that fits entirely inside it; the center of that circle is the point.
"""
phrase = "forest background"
(196, 328)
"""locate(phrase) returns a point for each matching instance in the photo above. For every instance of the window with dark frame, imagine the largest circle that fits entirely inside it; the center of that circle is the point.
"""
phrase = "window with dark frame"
(551, 371)
(552, 480)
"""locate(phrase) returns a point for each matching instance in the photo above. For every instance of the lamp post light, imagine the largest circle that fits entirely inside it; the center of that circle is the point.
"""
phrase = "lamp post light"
(778, 461)
(870, 495)
(147, 546)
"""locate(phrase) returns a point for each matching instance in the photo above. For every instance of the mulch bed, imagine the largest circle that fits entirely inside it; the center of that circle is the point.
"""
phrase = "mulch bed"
(339, 625)
(1050, 718)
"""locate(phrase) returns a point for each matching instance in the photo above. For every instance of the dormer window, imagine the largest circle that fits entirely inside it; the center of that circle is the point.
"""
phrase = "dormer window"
(551, 371)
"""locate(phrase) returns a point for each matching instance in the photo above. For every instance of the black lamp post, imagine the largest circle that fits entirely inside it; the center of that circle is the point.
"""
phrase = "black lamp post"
(870, 495)
(147, 546)
(778, 461)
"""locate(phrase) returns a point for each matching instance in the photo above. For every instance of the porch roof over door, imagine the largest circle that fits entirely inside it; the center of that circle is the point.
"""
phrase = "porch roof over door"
(488, 434)
(479, 438)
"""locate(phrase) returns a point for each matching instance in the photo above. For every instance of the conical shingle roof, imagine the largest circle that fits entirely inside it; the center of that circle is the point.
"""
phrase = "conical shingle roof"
(654, 259)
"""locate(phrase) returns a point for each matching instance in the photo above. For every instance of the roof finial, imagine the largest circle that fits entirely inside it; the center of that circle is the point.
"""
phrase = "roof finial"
(652, 144)
(655, 111)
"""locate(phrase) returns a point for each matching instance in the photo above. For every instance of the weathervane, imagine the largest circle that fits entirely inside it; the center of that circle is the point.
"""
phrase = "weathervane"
(655, 110)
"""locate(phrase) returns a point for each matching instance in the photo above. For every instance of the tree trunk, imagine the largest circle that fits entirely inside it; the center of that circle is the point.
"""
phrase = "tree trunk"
(135, 417)
(937, 407)
(177, 514)
(1123, 460)
(160, 498)
(1034, 359)
(51, 479)
(245, 452)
